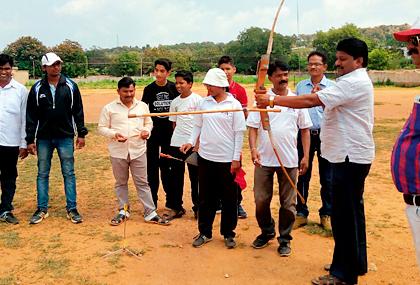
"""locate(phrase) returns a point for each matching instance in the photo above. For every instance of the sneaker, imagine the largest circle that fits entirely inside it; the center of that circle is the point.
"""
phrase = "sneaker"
(38, 216)
(230, 242)
(326, 223)
(200, 240)
(284, 249)
(9, 218)
(241, 212)
(262, 240)
(74, 216)
(300, 221)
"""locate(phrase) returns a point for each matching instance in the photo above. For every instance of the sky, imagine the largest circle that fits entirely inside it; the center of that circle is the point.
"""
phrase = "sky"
(111, 23)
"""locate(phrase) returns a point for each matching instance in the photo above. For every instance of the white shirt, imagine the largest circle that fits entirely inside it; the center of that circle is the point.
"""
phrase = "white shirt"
(114, 119)
(221, 134)
(348, 119)
(13, 99)
(184, 123)
(284, 127)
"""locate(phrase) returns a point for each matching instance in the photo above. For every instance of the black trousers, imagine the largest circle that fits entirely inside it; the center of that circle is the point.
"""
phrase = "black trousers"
(216, 183)
(8, 174)
(348, 220)
(324, 178)
(176, 189)
(159, 142)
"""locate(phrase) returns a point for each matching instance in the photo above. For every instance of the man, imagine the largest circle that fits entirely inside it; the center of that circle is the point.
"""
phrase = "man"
(13, 96)
(54, 113)
(317, 65)
(347, 143)
(405, 161)
(127, 148)
(285, 126)
(227, 65)
(158, 95)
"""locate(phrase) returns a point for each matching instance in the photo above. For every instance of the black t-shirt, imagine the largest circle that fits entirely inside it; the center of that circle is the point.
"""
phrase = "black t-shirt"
(159, 99)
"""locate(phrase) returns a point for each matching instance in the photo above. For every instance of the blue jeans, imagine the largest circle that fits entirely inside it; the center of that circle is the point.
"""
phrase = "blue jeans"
(65, 149)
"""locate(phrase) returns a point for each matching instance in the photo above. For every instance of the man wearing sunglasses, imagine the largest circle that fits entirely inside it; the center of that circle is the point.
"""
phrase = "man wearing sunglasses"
(405, 160)
(412, 38)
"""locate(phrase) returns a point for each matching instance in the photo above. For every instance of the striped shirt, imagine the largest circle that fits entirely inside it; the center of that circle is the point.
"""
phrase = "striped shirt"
(405, 160)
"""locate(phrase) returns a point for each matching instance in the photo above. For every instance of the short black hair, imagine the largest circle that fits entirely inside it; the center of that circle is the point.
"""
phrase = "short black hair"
(126, 82)
(186, 75)
(272, 67)
(322, 55)
(225, 59)
(354, 47)
(6, 59)
(164, 62)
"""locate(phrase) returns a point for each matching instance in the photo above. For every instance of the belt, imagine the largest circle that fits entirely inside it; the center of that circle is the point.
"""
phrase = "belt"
(315, 132)
(412, 199)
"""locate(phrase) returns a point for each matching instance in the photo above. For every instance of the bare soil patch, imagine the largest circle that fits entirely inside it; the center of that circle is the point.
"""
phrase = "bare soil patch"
(58, 252)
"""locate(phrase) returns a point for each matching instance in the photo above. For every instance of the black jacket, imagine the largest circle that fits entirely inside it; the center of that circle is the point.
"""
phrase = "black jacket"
(59, 117)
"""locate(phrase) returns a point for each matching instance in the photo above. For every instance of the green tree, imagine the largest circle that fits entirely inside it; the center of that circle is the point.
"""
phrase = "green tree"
(327, 41)
(74, 58)
(27, 52)
(126, 63)
(252, 43)
(379, 59)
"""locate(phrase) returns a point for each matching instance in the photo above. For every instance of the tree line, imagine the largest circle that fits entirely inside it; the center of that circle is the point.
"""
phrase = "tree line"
(246, 49)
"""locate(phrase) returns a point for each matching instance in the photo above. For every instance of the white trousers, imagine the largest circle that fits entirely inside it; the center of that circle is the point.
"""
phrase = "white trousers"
(413, 216)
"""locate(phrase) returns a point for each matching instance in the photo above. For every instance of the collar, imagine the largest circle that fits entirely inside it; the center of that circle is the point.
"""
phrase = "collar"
(353, 73)
(229, 98)
(271, 92)
(61, 81)
(12, 84)
(323, 82)
(135, 102)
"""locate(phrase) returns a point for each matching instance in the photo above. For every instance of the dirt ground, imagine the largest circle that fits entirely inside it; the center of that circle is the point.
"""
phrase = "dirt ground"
(58, 252)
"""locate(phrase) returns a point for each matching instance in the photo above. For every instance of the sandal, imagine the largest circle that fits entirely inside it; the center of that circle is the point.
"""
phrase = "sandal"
(172, 214)
(158, 220)
(118, 219)
(328, 280)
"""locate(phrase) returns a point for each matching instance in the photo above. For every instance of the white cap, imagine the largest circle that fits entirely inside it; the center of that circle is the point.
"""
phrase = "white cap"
(50, 58)
(216, 77)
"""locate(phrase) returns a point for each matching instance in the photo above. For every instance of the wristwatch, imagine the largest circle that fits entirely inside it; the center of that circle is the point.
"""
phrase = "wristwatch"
(271, 101)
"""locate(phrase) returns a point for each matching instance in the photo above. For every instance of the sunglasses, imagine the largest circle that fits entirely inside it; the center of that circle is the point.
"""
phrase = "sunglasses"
(415, 40)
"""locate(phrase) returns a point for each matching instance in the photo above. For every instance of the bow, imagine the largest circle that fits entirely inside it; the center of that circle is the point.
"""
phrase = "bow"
(262, 69)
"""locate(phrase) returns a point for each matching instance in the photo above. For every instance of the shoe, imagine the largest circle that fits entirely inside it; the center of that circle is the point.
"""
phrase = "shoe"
(38, 216)
(9, 218)
(284, 249)
(300, 221)
(262, 240)
(119, 218)
(230, 242)
(74, 216)
(159, 221)
(326, 223)
(200, 240)
(173, 214)
(241, 212)
(328, 279)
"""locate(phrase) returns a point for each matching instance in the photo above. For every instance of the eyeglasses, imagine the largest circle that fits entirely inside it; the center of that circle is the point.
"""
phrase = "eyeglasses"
(415, 40)
(316, 64)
